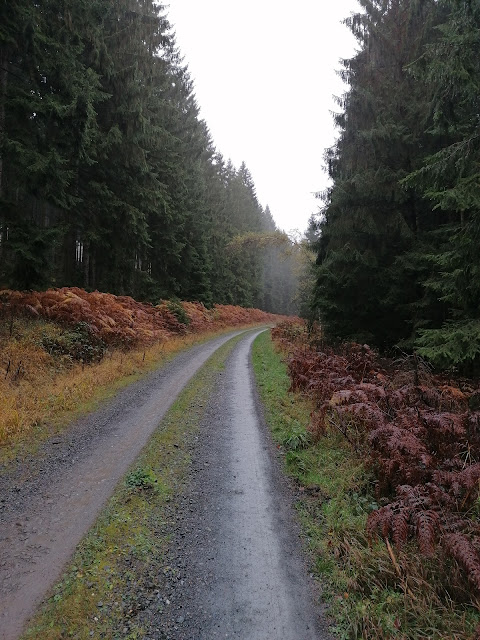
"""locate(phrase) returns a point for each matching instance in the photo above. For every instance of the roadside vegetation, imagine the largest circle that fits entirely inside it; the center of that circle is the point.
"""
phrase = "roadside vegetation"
(119, 570)
(387, 493)
(62, 351)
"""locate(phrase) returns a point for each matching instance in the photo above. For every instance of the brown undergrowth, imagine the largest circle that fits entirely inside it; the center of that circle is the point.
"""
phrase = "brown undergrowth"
(62, 350)
(419, 438)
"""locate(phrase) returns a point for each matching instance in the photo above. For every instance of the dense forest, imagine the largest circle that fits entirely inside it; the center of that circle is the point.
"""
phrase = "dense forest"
(109, 178)
(398, 239)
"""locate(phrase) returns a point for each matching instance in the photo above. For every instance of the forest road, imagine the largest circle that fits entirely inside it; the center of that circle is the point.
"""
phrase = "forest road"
(49, 501)
(236, 545)
(235, 537)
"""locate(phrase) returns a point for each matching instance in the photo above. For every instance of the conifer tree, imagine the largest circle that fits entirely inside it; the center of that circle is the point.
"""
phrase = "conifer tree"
(364, 291)
(108, 176)
(46, 119)
(450, 181)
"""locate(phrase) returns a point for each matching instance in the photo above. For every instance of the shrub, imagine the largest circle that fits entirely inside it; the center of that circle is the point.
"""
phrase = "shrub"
(79, 344)
(141, 478)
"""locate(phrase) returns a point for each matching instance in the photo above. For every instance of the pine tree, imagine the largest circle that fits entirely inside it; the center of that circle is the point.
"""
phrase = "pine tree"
(364, 290)
(114, 232)
(450, 180)
(46, 119)
(108, 176)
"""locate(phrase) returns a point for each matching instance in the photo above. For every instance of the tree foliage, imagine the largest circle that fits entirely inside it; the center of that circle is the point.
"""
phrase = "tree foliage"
(109, 178)
(398, 260)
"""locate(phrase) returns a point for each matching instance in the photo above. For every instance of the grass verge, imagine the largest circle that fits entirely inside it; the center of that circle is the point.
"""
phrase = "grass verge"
(373, 591)
(119, 570)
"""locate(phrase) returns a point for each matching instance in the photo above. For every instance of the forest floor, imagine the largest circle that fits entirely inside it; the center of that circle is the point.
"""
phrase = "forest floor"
(184, 550)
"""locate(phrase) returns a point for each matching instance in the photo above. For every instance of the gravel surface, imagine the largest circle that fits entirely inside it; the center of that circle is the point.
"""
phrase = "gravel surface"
(235, 568)
(48, 502)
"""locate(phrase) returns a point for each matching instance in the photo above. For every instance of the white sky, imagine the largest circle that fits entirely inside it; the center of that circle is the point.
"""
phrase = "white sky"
(264, 73)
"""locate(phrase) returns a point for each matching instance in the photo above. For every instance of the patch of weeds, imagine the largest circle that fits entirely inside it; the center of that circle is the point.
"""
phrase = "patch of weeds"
(372, 592)
(297, 438)
(296, 463)
(141, 478)
(78, 344)
(175, 307)
(362, 504)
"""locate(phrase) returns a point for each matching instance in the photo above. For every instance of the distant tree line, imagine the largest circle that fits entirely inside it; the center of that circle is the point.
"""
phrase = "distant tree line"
(398, 239)
(108, 177)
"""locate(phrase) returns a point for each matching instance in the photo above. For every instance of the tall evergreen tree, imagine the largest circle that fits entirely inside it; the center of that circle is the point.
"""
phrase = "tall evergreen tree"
(364, 290)
(46, 119)
(450, 181)
(122, 182)
(108, 176)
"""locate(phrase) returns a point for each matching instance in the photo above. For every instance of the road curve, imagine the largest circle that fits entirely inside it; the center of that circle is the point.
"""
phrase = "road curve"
(236, 546)
(49, 502)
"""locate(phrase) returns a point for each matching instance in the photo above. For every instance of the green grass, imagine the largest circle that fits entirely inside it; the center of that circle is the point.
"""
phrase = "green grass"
(367, 596)
(119, 568)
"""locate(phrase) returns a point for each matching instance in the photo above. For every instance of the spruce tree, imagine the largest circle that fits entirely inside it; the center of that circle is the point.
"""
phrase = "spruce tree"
(450, 181)
(47, 120)
(108, 176)
(364, 291)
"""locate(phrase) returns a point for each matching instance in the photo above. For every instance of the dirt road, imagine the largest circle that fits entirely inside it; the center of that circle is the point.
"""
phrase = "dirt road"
(49, 502)
(238, 544)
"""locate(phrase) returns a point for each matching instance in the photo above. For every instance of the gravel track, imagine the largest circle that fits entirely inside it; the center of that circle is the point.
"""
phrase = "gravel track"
(48, 502)
(236, 568)
(235, 563)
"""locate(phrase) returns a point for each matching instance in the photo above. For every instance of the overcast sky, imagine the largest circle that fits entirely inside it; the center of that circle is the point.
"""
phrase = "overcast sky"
(264, 74)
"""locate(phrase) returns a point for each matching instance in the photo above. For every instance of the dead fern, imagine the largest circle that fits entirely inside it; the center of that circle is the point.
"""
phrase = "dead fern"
(121, 321)
(416, 432)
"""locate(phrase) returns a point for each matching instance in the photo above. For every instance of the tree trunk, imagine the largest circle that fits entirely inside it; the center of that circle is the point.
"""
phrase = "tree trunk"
(3, 97)
(69, 254)
(86, 265)
(93, 270)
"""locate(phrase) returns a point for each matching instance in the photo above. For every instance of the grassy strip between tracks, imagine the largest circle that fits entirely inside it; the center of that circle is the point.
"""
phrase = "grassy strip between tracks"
(118, 571)
(372, 591)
